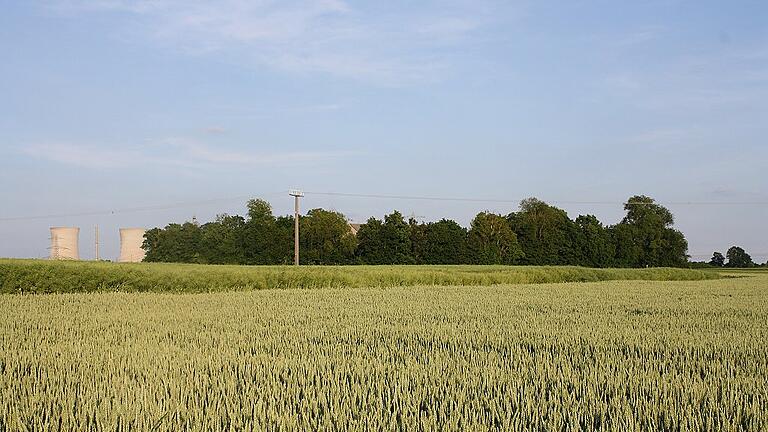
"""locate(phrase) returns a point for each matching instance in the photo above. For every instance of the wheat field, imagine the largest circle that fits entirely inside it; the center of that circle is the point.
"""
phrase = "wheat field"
(44, 277)
(618, 355)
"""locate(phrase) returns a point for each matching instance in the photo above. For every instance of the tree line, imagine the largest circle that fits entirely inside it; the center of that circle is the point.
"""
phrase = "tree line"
(736, 257)
(536, 234)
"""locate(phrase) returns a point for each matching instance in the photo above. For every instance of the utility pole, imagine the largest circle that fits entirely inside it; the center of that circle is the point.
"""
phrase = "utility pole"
(296, 194)
(97, 242)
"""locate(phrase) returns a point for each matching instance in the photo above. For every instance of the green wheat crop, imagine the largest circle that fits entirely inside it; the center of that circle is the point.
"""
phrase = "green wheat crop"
(37, 276)
(621, 355)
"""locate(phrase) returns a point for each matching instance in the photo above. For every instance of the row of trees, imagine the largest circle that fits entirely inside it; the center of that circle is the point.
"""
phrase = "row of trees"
(736, 256)
(537, 234)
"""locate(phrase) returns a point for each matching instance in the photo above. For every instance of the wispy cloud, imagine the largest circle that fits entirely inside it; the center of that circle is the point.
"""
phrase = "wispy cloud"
(637, 37)
(215, 130)
(664, 137)
(301, 36)
(176, 152)
(720, 79)
(81, 156)
(196, 151)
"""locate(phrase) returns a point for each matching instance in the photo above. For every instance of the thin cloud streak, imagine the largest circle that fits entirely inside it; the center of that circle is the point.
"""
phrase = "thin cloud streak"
(303, 36)
(178, 152)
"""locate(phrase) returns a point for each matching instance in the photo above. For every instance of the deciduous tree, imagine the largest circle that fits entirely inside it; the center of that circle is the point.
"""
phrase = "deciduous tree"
(718, 260)
(492, 241)
(738, 258)
(445, 242)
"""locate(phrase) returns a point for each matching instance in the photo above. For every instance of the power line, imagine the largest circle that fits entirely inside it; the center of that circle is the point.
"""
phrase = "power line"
(362, 195)
(710, 254)
(134, 209)
(513, 201)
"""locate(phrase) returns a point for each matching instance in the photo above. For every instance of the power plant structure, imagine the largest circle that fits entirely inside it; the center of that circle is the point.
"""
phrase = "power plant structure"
(131, 240)
(64, 243)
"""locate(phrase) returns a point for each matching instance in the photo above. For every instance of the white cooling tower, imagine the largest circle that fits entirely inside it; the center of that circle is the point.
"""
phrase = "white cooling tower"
(64, 243)
(131, 240)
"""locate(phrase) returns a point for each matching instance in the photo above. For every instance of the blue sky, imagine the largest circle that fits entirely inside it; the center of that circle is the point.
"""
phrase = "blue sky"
(114, 104)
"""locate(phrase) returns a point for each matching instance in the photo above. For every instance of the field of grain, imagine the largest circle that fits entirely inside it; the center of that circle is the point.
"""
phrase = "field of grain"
(38, 276)
(620, 355)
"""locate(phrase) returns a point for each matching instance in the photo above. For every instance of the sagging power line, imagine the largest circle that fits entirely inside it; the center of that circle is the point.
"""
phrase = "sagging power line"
(514, 201)
(135, 209)
(161, 207)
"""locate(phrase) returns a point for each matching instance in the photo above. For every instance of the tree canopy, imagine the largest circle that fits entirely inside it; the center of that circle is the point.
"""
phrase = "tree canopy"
(738, 258)
(491, 240)
(718, 260)
(645, 237)
(537, 234)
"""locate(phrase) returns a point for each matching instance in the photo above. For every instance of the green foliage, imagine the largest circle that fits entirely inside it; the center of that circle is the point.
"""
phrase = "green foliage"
(492, 241)
(538, 234)
(38, 276)
(174, 243)
(738, 258)
(597, 246)
(445, 242)
(385, 243)
(629, 248)
(646, 237)
(370, 242)
(396, 236)
(261, 238)
(220, 242)
(718, 260)
(616, 356)
(259, 211)
(326, 238)
(546, 234)
(701, 265)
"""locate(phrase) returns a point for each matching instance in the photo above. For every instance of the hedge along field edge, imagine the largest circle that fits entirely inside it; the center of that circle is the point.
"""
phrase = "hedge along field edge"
(38, 276)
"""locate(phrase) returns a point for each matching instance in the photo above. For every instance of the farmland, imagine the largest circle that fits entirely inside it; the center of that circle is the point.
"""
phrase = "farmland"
(36, 276)
(612, 355)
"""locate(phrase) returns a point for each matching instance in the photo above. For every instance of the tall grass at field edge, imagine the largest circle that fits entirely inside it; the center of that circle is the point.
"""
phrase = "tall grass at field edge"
(37, 276)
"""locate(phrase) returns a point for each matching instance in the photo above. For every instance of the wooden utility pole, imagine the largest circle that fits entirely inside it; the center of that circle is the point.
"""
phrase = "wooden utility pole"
(296, 194)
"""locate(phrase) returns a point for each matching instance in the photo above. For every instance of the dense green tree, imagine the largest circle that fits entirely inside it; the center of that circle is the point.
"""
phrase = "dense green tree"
(259, 211)
(490, 240)
(153, 245)
(738, 258)
(718, 260)
(445, 242)
(396, 235)
(174, 243)
(647, 238)
(546, 234)
(370, 242)
(672, 250)
(629, 250)
(260, 240)
(282, 247)
(418, 233)
(220, 241)
(326, 238)
(596, 243)
(387, 242)
(642, 210)
(538, 234)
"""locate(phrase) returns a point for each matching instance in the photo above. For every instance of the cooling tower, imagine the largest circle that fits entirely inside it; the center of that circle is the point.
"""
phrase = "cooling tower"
(131, 240)
(64, 243)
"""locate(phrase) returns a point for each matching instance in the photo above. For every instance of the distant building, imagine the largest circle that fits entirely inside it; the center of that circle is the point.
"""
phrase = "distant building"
(131, 240)
(354, 227)
(64, 243)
